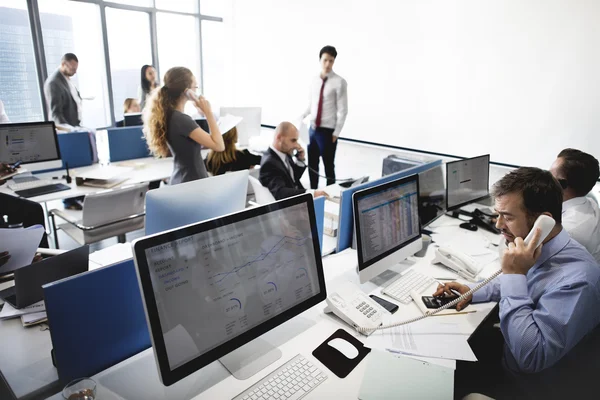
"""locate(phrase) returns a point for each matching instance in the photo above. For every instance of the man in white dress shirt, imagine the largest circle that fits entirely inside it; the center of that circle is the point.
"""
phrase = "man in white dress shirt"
(577, 173)
(328, 108)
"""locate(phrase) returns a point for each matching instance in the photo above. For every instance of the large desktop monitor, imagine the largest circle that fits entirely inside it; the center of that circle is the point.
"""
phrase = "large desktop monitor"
(432, 195)
(35, 144)
(209, 289)
(249, 126)
(187, 203)
(467, 181)
(386, 219)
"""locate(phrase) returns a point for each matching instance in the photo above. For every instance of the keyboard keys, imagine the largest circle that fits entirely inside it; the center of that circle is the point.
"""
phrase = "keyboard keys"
(291, 381)
(411, 281)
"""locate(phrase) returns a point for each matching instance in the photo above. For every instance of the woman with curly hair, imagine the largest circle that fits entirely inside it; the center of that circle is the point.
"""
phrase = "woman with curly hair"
(169, 131)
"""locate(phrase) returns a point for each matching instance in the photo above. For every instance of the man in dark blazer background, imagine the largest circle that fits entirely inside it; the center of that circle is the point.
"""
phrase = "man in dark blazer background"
(278, 171)
(62, 97)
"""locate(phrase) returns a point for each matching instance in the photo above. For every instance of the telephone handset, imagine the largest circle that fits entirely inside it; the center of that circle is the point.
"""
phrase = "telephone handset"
(349, 302)
(190, 94)
(461, 263)
(354, 307)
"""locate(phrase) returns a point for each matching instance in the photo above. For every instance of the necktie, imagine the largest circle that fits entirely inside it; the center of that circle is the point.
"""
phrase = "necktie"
(288, 164)
(320, 107)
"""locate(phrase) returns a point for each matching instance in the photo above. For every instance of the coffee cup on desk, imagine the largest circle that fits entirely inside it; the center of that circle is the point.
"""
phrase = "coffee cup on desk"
(426, 242)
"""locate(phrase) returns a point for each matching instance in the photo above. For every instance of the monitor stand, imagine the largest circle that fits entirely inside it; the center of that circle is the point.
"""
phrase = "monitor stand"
(250, 358)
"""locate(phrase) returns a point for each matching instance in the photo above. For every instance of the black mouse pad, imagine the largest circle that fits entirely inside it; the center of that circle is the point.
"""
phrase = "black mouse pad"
(337, 362)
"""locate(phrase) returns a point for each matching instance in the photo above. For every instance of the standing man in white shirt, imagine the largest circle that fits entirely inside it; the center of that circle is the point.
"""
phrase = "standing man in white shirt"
(328, 109)
(577, 173)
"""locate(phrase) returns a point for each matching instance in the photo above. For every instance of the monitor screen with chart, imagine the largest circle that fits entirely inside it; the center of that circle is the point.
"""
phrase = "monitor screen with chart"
(211, 287)
(387, 225)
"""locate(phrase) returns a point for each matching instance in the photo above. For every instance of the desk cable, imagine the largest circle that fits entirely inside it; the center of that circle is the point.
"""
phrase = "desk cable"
(462, 297)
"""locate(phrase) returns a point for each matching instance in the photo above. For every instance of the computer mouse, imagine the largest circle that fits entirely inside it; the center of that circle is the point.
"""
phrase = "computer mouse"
(344, 347)
(468, 226)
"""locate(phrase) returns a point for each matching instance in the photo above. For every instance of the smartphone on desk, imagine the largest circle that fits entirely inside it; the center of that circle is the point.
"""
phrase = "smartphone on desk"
(388, 305)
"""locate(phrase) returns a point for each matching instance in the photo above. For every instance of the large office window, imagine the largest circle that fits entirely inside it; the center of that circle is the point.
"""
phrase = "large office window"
(178, 42)
(129, 49)
(213, 62)
(19, 86)
(189, 6)
(213, 7)
(75, 27)
(139, 3)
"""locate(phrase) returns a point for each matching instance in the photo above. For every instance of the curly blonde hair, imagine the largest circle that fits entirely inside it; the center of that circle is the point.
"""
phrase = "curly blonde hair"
(215, 160)
(159, 108)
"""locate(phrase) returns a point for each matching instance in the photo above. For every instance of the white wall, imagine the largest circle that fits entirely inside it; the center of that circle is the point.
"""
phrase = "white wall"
(515, 78)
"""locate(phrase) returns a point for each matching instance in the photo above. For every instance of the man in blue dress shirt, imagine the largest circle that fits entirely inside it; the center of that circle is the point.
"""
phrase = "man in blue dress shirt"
(548, 297)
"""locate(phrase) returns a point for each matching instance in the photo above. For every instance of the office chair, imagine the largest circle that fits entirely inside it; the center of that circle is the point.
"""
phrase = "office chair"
(21, 212)
(263, 195)
(105, 214)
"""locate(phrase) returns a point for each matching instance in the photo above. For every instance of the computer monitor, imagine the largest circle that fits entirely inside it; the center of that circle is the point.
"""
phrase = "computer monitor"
(209, 289)
(187, 203)
(346, 213)
(467, 181)
(432, 195)
(132, 119)
(250, 124)
(386, 219)
(35, 144)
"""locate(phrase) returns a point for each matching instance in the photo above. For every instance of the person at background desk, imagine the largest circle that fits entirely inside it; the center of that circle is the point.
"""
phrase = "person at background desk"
(169, 131)
(231, 159)
(577, 172)
(548, 297)
(278, 171)
(328, 108)
(3, 117)
(5, 170)
(129, 106)
(148, 82)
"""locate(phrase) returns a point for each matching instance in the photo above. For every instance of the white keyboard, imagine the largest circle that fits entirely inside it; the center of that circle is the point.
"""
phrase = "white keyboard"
(293, 380)
(400, 288)
(31, 184)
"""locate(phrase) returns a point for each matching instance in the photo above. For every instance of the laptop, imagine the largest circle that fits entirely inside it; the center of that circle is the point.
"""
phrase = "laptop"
(29, 279)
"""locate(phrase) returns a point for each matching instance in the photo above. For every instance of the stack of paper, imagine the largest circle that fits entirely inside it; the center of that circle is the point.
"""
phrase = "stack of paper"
(430, 337)
(30, 315)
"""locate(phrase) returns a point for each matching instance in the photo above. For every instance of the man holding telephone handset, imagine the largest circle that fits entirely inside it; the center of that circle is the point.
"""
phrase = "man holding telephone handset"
(278, 170)
(548, 296)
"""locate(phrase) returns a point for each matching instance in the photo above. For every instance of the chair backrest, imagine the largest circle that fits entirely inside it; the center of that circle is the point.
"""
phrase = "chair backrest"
(127, 143)
(113, 205)
(75, 149)
(263, 195)
(23, 211)
(96, 320)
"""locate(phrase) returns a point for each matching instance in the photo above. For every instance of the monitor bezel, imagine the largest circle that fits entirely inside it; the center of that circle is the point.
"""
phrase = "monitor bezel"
(52, 126)
(443, 211)
(356, 197)
(448, 164)
(168, 376)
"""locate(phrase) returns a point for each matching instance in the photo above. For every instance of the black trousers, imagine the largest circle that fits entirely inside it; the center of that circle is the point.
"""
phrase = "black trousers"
(321, 145)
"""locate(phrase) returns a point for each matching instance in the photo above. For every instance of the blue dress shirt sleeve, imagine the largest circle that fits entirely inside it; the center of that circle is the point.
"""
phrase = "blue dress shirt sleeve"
(538, 335)
(490, 292)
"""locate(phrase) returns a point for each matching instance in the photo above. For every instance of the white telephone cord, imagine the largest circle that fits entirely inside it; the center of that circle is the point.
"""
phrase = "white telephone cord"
(367, 331)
